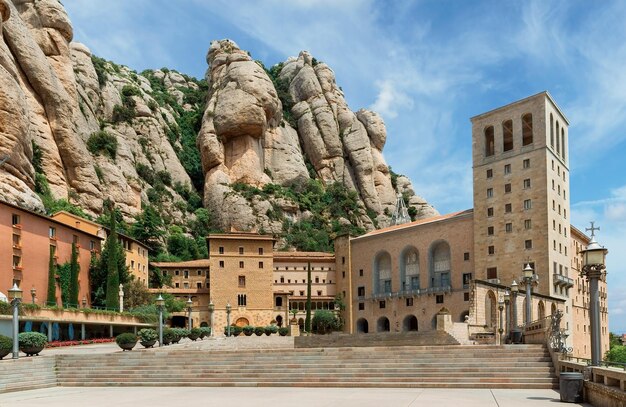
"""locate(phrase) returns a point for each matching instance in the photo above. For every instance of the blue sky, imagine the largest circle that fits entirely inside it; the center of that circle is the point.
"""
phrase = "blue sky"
(426, 67)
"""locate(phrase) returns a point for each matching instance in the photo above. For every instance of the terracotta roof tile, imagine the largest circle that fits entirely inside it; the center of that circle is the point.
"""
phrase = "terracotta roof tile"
(424, 221)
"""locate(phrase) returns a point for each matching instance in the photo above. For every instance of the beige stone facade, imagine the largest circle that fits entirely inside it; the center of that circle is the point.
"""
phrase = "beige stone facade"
(290, 282)
(402, 276)
(189, 280)
(261, 285)
(136, 252)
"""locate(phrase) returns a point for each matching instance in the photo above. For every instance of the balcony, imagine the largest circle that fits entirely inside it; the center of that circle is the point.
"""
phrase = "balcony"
(563, 281)
(409, 293)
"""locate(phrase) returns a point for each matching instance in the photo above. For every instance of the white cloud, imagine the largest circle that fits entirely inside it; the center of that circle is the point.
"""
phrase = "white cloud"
(390, 99)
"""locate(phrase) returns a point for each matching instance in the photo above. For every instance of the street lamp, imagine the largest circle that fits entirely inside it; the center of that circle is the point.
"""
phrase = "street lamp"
(211, 312)
(594, 269)
(528, 277)
(507, 314)
(189, 307)
(228, 308)
(15, 296)
(500, 308)
(160, 302)
(515, 332)
(33, 294)
(121, 294)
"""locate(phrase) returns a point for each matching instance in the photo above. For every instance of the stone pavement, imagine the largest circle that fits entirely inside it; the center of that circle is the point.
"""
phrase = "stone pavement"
(277, 397)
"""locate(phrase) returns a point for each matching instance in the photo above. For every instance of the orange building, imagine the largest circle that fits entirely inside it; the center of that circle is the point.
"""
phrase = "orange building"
(136, 252)
(26, 239)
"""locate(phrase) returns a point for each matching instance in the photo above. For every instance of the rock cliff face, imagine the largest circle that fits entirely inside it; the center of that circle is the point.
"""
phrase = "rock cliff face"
(75, 127)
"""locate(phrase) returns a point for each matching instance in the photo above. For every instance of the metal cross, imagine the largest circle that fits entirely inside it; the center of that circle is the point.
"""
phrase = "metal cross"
(592, 229)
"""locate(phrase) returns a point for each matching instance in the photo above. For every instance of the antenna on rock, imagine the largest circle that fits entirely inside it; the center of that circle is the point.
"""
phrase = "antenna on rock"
(400, 214)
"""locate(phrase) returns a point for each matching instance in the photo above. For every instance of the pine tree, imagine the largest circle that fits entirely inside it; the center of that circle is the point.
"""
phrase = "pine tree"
(52, 286)
(113, 275)
(307, 321)
(74, 271)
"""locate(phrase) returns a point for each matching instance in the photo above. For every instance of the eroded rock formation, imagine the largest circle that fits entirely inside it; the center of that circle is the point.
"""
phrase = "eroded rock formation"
(85, 129)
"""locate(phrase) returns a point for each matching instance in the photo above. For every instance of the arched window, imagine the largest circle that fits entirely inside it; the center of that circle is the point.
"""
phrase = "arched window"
(440, 264)
(563, 143)
(490, 148)
(409, 269)
(507, 135)
(382, 273)
(551, 131)
(553, 309)
(558, 144)
(527, 129)
(541, 310)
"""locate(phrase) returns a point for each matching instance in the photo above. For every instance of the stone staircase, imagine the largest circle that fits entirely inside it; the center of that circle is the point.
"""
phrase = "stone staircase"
(460, 333)
(27, 373)
(511, 366)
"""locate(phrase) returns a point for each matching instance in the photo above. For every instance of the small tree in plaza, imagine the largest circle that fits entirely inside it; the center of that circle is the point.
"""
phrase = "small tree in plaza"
(325, 321)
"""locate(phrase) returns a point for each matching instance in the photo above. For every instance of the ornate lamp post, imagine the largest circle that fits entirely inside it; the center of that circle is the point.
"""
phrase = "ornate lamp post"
(15, 296)
(33, 294)
(189, 308)
(529, 277)
(160, 302)
(594, 269)
(228, 308)
(211, 312)
(507, 314)
(501, 308)
(515, 333)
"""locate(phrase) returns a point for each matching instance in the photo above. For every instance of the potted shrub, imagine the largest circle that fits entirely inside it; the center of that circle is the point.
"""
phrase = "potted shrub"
(248, 330)
(259, 330)
(271, 329)
(126, 341)
(6, 345)
(31, 343)
(194, 333)
(206, 331)
(148, 337)
(283, 331)
(168, 336)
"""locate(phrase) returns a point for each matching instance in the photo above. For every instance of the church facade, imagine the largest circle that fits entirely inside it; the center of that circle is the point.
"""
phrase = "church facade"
(398, 278)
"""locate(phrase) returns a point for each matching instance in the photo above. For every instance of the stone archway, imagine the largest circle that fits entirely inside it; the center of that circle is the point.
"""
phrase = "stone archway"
(541, 310)
(383, 325)
(279, 320)
(362, 326)
(241, 322)
(409, 323)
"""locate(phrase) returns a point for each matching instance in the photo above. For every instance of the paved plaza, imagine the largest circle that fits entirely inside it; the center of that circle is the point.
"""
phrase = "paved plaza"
(277, 397)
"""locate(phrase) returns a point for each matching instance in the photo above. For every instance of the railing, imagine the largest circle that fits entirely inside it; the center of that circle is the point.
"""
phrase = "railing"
(563, 280)
(408, 293)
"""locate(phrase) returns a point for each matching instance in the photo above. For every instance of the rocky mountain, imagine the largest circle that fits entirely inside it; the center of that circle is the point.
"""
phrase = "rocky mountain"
(275, 150)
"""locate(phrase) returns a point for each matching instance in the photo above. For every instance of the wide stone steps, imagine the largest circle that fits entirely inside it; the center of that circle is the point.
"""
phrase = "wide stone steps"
(525, 366)
(27, 374)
